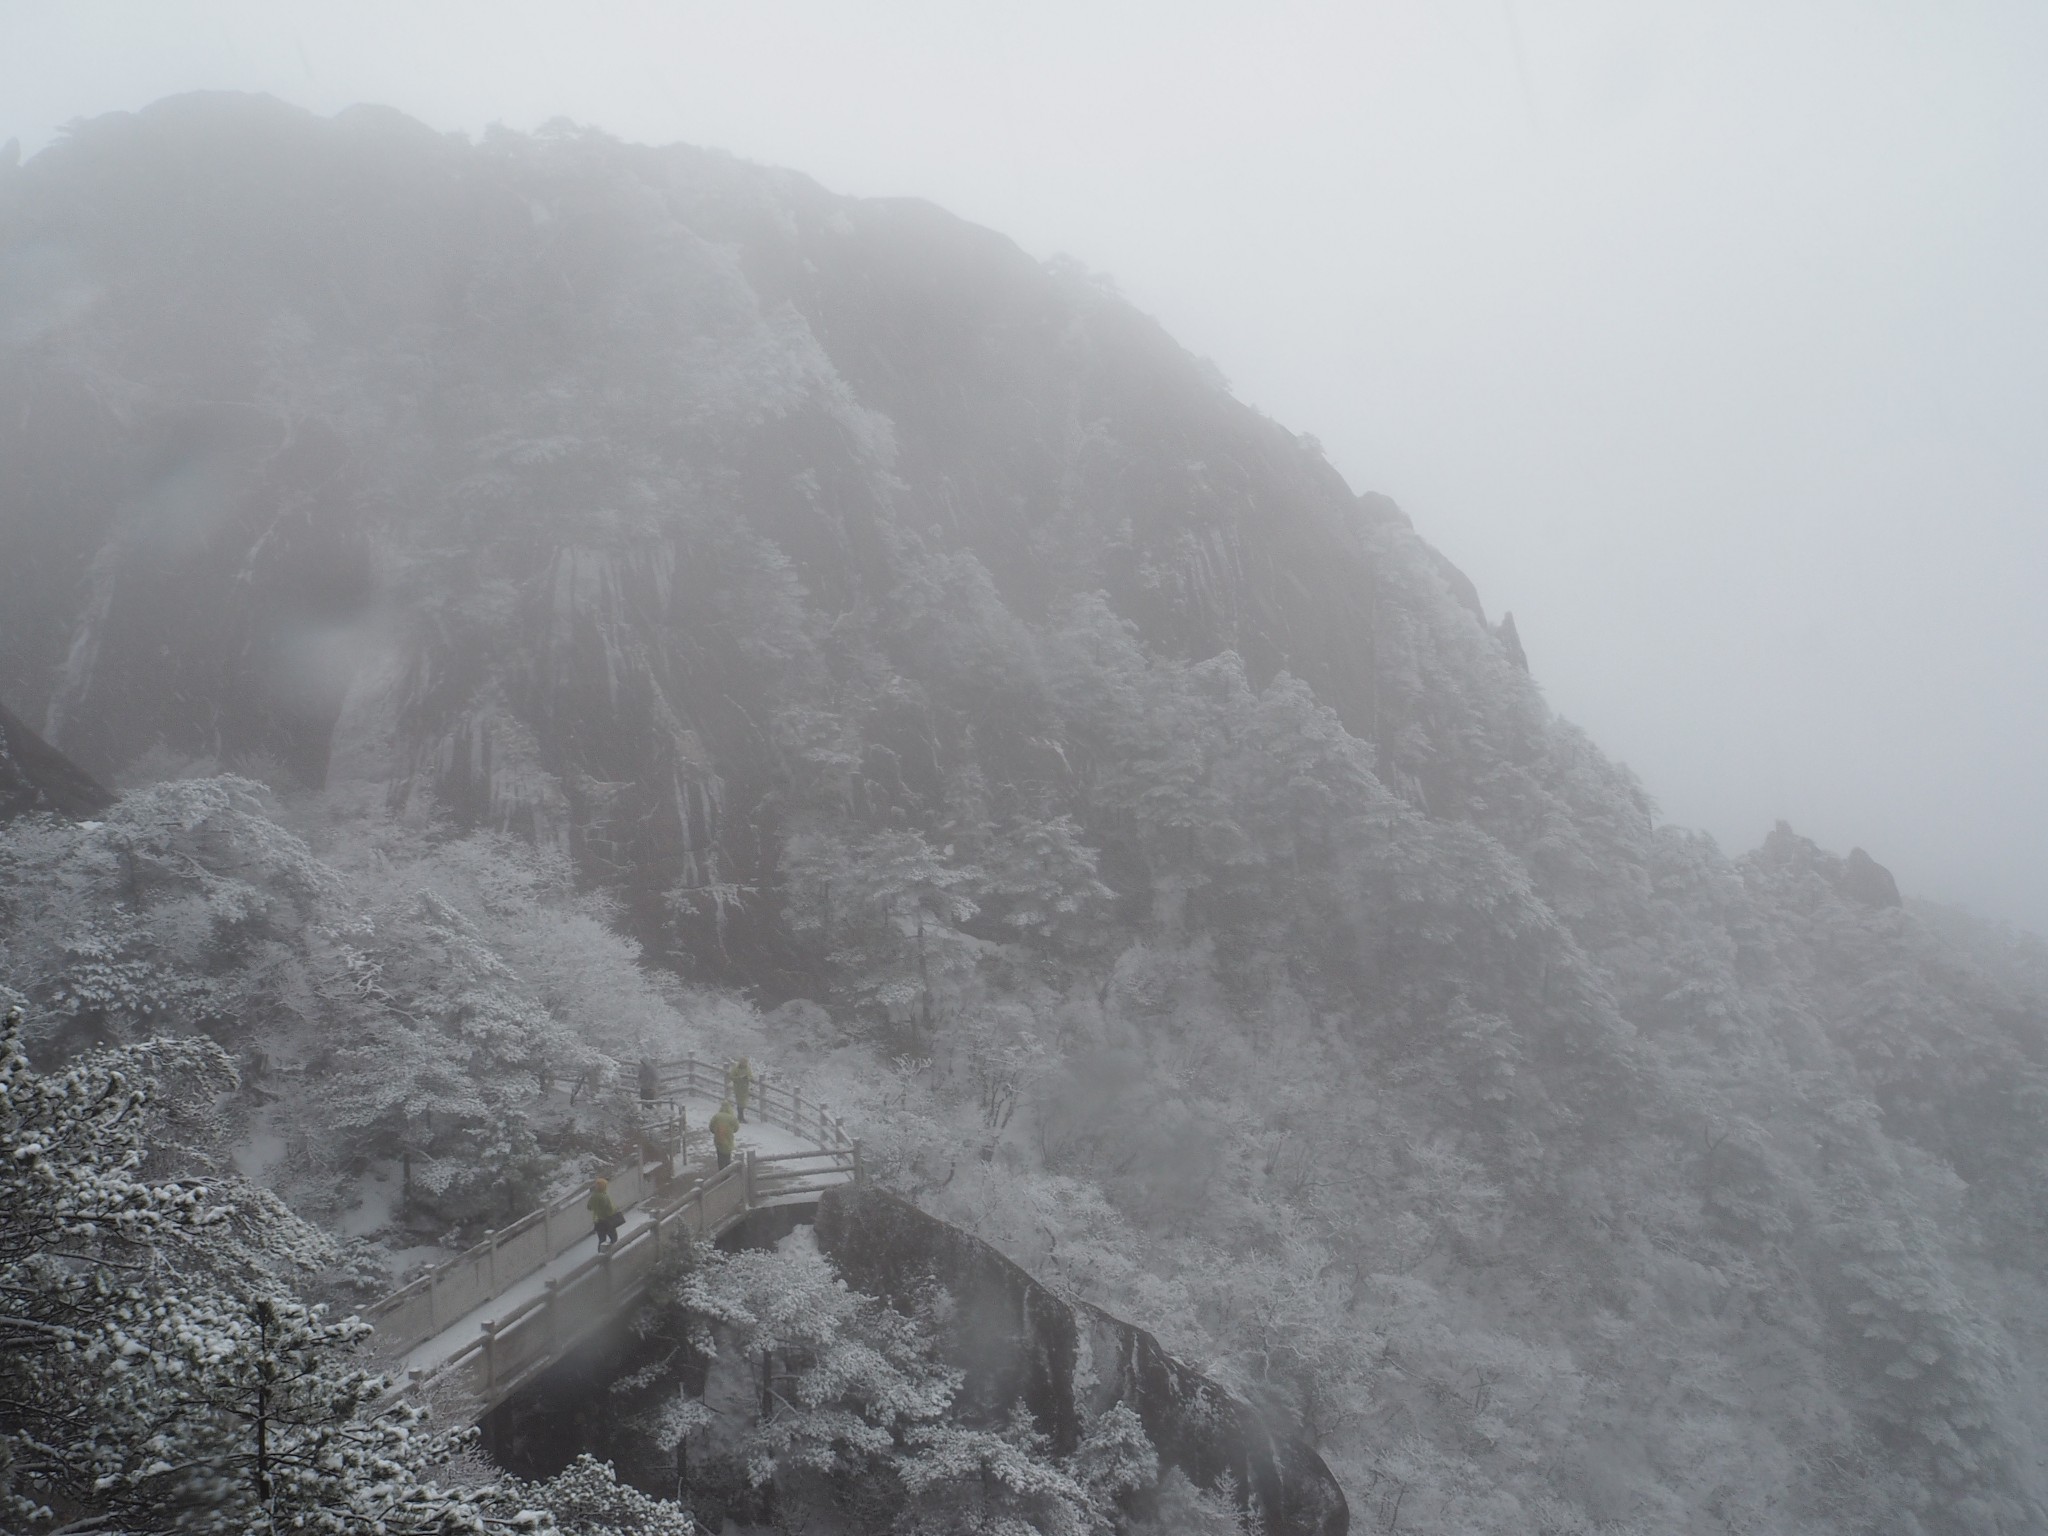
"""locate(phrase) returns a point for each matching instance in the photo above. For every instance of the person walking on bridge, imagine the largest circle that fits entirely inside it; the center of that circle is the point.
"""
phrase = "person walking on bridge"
(742, 1086)
(723, 1128)
(604, 1213)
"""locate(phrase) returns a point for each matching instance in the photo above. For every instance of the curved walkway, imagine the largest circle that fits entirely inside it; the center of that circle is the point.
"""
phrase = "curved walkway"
(494, 1316)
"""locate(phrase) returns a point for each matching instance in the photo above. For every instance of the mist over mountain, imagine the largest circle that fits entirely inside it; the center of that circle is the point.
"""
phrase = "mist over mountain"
(555, 479)
(950, 691)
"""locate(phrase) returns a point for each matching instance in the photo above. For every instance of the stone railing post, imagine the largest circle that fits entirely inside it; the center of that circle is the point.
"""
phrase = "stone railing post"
(491, 1264)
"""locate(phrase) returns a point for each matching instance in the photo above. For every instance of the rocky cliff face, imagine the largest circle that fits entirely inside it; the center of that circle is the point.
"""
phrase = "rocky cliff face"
(35, 776)
(1068, 1361)
(1015, 1340)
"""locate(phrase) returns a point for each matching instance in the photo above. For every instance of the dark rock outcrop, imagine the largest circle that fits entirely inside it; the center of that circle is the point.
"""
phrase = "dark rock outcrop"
(1859, 877)
(1511, 641)
(35, 776)
(1067, 1361)
(1864, 879)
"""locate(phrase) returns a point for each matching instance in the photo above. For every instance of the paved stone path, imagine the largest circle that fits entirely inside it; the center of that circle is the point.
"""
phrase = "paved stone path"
(428, 1356)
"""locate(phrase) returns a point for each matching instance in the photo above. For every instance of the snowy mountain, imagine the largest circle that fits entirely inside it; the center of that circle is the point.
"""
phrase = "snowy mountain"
(911, 637)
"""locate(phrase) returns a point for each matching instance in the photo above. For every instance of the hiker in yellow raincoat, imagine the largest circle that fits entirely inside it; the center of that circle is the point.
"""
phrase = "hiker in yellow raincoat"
(742, 1086)
(723, 1128)
(604, 1213)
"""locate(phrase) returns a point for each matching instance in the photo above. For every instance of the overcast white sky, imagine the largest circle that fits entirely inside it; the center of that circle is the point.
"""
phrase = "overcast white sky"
(1709, 337)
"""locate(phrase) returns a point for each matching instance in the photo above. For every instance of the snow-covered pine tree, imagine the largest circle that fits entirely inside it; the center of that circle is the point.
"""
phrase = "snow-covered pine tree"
(153, 1377)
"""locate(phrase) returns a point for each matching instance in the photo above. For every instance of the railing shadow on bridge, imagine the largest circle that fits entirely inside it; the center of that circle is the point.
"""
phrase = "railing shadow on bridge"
(510, 1347)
